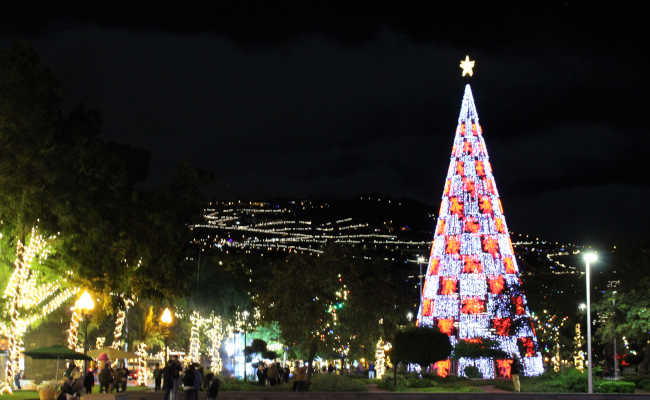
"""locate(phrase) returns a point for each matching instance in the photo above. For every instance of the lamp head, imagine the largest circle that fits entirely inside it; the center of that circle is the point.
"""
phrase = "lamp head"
(166, 317)
(409, 316)
(591, 257)
(245, 314)
(582, 306)
(420, 259)
(85, 302)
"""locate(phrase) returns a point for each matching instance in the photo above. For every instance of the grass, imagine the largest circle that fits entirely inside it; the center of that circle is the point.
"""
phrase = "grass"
(20, 395)
(442, 389)
(33, 394)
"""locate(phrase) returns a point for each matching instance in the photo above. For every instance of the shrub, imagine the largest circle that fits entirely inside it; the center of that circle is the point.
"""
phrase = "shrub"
(387, 381)
(643, 384)
(415, 382)
(472, 372)
(614, 387)
(336, 383)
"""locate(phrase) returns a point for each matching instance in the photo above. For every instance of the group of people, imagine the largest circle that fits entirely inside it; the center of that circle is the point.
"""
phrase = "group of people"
(75, 383)
(112, 378)
(170, 378)
(272, 374)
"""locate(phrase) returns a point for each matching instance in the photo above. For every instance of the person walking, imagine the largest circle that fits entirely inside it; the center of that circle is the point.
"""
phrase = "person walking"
(515, 371)
(371, 371)
(171, 376)
(89, 381)
(105, 379)
(157, 377)
(213, 388)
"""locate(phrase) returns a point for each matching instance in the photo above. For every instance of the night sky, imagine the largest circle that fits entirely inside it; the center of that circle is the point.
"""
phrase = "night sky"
(320, 101)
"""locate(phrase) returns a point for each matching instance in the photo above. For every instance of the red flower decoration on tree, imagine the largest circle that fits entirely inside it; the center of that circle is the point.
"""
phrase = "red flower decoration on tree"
(502, 326)
(453, 245)
(440, 229)
(497, 283)
(446, 326)
(467, 147)
(470, 187)
(473, 305)
(442, 368)
(471, 225)
(504, 367)
(490, 245)
(472, 265)
(448, 285)
(528, 345)
(509, 265)
(480, 169)
(519, 305)
(455, 206)
(485, 204)
(460, 168)
(498, 223)
(433, 269)
(427, 307)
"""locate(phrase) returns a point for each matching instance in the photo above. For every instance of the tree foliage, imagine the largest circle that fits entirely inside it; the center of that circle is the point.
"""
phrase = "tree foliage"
(420, 345)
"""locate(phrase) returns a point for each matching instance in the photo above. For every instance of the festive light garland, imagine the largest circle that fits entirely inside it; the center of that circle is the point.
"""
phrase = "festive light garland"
(99, 342)
(216, 334)
(578, 354)
(22, 293)
(119, 321)
(142, 354)
(195, 319)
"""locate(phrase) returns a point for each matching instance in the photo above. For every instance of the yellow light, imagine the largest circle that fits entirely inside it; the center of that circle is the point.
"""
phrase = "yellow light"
(85, 302)
(166, 317)
(467, 65)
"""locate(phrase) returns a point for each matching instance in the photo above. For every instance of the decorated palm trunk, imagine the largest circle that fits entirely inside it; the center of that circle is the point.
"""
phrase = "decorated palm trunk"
(473, 289)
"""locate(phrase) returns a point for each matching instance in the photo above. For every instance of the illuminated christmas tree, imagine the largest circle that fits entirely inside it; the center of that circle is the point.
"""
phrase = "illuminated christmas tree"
(473, 288)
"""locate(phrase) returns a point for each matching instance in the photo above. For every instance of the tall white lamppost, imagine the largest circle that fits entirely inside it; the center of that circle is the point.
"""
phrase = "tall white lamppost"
(589, 258)
(85, 304)
(420, 262)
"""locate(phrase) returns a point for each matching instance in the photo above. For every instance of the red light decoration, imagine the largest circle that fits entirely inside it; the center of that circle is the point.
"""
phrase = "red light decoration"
(499, 225)
(497, 284)
(467, 147)
(470, 187)
(519, 305)
(441, 227)
(480, 169)
(433, 269)
(528, 345)
(490, 245)
(473, 340)
(452, 245)
(488, 185)
(485, 204)
(442, 368)
(509, 265)
(456, 206)
(471, 225)
(504, 367)
(473, 305)
(472, 265)
(460, 168)
(448, 285)
(474, 130)
(446, 326)
(463, 131)
(502, 326)
(427, 307)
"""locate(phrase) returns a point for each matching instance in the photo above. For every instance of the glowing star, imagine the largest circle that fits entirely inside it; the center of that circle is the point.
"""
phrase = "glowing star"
(467, 65)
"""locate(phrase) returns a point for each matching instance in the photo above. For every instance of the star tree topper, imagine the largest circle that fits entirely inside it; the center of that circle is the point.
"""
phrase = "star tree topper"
(467, 65)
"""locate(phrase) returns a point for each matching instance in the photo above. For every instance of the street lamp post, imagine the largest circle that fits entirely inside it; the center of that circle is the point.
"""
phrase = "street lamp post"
(589, 258)
(166, 318)
(420, 262)
(85, 304)
(615, 353)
